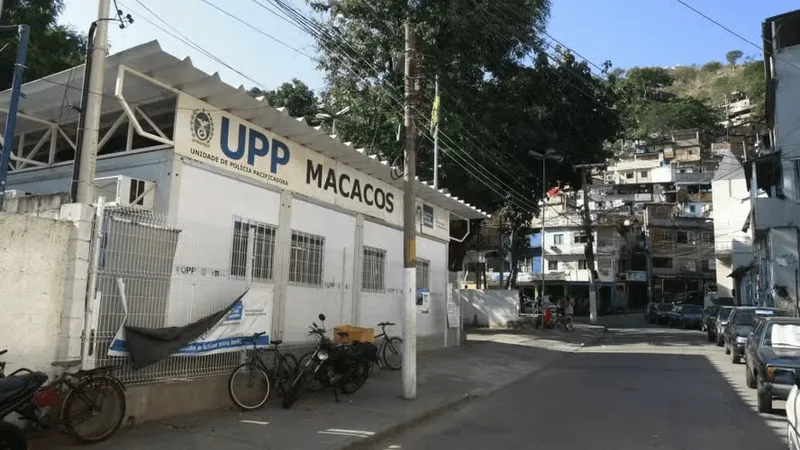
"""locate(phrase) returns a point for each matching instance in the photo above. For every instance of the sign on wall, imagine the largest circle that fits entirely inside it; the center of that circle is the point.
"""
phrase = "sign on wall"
(212, 136)
(252, 314)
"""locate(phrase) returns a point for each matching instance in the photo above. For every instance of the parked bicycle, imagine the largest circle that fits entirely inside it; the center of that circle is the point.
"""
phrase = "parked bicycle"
(83, 396)
(390, 348)
(563, 322)
(254, 374)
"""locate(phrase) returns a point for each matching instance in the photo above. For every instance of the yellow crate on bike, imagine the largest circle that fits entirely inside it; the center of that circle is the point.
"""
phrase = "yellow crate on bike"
(360, 334)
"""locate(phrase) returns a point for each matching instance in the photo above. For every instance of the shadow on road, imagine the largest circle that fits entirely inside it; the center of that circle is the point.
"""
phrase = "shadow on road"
(612, 400)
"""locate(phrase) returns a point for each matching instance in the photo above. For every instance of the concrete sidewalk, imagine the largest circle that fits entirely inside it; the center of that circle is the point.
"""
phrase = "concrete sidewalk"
(447, 379)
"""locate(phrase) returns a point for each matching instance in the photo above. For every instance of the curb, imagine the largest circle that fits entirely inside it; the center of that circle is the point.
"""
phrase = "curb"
(371, 441)
(410, 423)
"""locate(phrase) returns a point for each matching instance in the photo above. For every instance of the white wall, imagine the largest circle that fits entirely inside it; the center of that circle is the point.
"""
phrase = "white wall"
(433, 322)
(303, 304)
(386, 306)
(493, 308)
(33, 276)
(208, 203)
(787, 116)
(730, 202)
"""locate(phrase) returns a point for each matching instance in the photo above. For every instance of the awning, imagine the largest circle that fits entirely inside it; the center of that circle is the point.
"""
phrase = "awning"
(47, 100)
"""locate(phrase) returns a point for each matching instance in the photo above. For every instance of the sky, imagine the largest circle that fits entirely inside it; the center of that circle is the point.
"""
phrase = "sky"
(629, 33)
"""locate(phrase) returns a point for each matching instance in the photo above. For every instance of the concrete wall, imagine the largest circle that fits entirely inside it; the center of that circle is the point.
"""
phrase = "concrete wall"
(33, 276)
(493, 308)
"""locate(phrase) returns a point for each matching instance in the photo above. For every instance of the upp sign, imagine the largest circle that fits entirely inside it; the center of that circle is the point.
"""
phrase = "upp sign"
(255, 145)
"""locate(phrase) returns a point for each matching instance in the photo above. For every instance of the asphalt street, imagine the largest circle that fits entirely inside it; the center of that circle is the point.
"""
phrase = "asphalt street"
(640, 387)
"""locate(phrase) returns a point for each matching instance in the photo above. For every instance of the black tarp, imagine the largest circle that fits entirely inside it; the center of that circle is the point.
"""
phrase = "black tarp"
(150, 345)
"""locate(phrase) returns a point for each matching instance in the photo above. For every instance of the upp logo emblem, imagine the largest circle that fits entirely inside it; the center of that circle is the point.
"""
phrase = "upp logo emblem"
(202, 127)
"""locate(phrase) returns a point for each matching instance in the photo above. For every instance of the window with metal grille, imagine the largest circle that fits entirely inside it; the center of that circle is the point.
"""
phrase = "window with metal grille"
(423, 273)
(306, 259)
(552, 265)
(263, 250)
(373, 270)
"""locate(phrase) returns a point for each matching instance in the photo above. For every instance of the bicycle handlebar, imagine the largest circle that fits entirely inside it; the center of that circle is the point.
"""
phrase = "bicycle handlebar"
(3, 352)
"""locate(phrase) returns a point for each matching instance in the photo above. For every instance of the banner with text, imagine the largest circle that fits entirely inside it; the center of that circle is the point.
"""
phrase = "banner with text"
(252, 314)
(207, 134)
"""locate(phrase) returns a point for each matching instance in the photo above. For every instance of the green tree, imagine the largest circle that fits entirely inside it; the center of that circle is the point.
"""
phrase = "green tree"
(52, 47)
(296, 97)
(657, 119)
(733, 56)
(501, 94)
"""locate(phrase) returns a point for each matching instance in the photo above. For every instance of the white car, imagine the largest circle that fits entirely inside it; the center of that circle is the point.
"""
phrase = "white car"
(792, 410)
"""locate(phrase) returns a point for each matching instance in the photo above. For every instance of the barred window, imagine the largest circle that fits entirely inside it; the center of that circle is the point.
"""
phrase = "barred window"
(263, 250)
(373, 270)
(306, 258)
(423, 273)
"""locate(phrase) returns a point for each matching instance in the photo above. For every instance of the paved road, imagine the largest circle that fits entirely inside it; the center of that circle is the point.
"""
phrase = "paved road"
(640, 387)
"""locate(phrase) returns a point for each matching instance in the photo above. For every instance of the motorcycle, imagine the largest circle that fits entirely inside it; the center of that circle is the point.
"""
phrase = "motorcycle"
(343, 367)
(17, 393)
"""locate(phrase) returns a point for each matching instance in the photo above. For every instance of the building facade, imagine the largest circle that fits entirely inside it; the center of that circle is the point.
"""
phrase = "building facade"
(214, 193)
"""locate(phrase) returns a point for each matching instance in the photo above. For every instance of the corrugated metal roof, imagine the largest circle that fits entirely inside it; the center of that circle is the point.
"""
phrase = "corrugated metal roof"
(49, 99)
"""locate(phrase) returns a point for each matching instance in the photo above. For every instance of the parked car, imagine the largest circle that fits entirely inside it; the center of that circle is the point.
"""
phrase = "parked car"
(719, 324)
(658, 313)
(773, 359)
(741, 323)
(709, 317)
(687, 316)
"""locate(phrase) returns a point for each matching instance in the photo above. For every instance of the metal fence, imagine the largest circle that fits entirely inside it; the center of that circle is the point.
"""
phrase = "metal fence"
(171, 273)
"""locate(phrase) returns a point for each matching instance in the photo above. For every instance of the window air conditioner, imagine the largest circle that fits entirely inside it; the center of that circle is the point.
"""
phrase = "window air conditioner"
(126, 191)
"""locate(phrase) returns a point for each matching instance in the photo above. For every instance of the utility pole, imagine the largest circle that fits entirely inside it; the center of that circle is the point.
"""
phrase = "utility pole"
(410, 221)
(91, 107)
(436, 136)
(589, 248)
(23, 31)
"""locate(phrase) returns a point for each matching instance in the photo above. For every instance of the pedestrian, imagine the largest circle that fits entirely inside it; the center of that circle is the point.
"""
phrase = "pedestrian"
(570, 306)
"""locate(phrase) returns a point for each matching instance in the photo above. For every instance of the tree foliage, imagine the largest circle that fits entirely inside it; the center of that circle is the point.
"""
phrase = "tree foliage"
(295, 96)
(734, 56)
(52, 47)
(502, 95)
(650, 110)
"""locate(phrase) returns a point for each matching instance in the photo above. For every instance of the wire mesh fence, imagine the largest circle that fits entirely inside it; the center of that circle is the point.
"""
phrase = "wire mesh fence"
(150, 271)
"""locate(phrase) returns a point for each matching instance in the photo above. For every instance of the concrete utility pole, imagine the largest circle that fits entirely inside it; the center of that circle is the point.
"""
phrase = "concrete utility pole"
(410, 222)
(91, 107)
(436, 137)
(16, 87)
(589, 249)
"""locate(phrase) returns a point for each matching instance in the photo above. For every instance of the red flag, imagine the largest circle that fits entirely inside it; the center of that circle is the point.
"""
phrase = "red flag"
(553, 192)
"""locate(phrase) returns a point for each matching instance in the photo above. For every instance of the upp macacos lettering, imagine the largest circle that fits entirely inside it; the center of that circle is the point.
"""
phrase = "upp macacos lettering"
(351, 188)
(255, 144)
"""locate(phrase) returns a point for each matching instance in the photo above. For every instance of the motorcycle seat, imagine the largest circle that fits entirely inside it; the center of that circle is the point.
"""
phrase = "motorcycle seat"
(9, 384)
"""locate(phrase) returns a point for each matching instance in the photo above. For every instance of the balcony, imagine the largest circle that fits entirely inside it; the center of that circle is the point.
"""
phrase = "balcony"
(694, 178)
(639, 164)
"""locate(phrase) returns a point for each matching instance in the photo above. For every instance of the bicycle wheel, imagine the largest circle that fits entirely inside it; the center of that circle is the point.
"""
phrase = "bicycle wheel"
(569, 325)
(393, 353)
(312, 383)
(248, 387)
(94, 410)
(11, 437)
(284, 373)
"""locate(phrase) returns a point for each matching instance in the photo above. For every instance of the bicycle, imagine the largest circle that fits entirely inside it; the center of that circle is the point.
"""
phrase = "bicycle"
(283, 371)
(80, 395)
(391, 345)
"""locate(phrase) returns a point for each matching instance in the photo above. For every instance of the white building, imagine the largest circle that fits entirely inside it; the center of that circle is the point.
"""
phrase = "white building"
(777, 177)
(733, 250)
(228, 194)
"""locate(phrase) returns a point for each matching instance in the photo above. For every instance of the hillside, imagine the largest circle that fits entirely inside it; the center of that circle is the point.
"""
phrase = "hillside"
(714, 80)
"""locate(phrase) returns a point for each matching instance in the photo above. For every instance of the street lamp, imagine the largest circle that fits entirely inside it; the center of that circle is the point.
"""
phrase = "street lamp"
(327, 113)
(552, 155)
